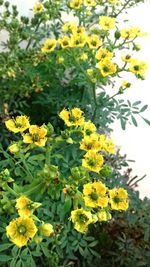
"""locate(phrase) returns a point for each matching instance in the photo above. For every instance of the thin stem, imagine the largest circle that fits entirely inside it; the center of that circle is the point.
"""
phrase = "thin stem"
(124, 6)
(10, 190)
(30, 40)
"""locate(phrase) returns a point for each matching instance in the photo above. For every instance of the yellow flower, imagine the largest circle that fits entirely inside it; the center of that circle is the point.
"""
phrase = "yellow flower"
(137, 67)
(60, 60)
(93, 161)
(80, 30)
(103, 215)
(90, 2)
(49, 45)
(107, 67)
(46, 229)
(131, 33)
(78, 40)
(88, 13)
(38, 8)
(21, 230)
(91, 142)
(81, 219)
(113, 2)
(19, 124)
(73, 117)
(84, 56)
(94, 41)
(107, 23)
(95, 195)
(36, 135)
(103, 53)
(90, 72)
(65, 41)
(69, 26)
(109, 146)
(23, 205)
(89, 128)
(125, 84)
(76, 4)
(118, 199)
(14, 148)
(126, 58)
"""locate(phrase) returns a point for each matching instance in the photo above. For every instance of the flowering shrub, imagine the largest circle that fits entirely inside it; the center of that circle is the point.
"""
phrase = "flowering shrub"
(46, 56)
(41, 168)
(58, 187)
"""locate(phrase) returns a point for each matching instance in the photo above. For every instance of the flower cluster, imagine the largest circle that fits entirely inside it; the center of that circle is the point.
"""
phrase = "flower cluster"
(99, 201)
(36, 135)
(24, 229)
(92, 142)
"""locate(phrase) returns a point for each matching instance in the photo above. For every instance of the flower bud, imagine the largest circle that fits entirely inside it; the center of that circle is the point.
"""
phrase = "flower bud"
(14, 148)
(46, 229)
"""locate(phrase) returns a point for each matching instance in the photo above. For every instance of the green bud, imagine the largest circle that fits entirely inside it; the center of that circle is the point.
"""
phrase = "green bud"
(6, 4)
(25, 20)
(1, 2)
(65, 134)
(117, 34)
(50, 129)
(79, 173)
(47, 5)
(106, 171)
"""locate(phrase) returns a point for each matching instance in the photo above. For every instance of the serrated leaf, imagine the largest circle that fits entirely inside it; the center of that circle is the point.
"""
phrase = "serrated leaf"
(134, 121)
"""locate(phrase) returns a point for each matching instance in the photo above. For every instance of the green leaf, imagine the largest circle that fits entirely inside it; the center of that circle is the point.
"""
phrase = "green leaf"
(5, 258)
(68, 204)
(19, 263)
(146, 120)
(136, 103)
(134, 121)
(93, 244)
(123, 123)
(144, 108)
(81, 251)
(146, 234)
(5, 246)
(93, 252)
(13, 263)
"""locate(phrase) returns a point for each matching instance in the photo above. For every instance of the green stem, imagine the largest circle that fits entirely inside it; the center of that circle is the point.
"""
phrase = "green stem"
(30, 40)
(26, 166)
(34, 190)
(10, 190)
(118, 93)
(124, 6)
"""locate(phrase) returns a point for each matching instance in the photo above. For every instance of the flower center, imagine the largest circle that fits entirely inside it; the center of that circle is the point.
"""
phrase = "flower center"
(82, 218)
(136, 67)
(94, 196)
(35, 137)
(106, 69)
(116, 199)
(18, 125)
(93, 43)
(22, 229)
(91, 162)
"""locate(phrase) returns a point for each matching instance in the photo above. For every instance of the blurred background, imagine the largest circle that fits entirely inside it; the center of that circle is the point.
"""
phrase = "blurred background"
(135, 142)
